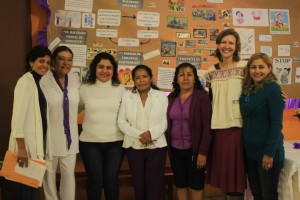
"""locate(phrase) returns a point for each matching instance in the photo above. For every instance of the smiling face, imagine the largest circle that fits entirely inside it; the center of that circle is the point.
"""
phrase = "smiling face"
(259, 71)
(227, 46)
(63, 63)
(104, 70)
(41, 65)
(186, 79)
(142, 80)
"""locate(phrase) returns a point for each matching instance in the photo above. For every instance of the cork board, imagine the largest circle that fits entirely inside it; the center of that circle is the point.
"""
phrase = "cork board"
(161, 34)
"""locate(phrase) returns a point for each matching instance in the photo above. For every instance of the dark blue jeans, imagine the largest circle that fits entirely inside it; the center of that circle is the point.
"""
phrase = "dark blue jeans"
(263, 184)
(102, 162)
(28, 193)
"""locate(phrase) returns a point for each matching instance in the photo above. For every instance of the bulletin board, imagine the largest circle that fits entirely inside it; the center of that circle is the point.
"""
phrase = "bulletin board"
(162, 34)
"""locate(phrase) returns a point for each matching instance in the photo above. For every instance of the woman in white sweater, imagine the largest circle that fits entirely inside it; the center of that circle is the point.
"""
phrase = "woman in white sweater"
(101, 139)
(143, 120)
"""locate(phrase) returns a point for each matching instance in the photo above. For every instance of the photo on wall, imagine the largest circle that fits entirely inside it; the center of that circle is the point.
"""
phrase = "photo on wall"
(199, 33)
(177, 22)
(167, 49)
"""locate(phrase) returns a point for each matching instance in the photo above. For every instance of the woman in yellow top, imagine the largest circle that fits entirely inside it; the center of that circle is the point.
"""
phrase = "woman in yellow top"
(226, 169)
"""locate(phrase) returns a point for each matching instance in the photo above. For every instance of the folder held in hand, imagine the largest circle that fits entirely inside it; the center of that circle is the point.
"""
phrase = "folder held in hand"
(32, 175)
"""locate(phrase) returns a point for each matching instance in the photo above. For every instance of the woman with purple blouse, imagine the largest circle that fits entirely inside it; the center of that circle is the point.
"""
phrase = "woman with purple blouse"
(188, 134)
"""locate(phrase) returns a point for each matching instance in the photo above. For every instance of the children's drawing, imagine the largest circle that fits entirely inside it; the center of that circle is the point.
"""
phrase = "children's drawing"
(279, 21)
(250, 17)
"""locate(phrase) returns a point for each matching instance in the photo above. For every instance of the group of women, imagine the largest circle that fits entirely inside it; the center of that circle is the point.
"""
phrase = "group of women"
(233, 130)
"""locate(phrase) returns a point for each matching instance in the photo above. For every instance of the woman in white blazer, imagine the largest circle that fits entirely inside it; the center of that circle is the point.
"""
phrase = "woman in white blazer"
(29, 127)
(142, 118)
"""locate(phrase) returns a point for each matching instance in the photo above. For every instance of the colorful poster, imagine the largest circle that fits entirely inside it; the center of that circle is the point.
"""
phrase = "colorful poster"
(279, 21)
(176, 5)
(125, 77)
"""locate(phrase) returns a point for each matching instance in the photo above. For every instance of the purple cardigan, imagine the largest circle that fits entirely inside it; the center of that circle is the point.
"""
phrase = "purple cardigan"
(200, 121)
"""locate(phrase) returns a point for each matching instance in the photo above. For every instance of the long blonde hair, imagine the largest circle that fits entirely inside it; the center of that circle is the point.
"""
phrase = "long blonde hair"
(248, 83)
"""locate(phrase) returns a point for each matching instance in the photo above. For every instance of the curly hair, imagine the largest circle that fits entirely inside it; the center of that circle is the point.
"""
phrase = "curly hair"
(93, 66)
(238, 44)
(176, 86)
(248, 83)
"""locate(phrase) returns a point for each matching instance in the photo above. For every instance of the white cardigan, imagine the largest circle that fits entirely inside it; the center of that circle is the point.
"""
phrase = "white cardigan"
(127, 118)
(26, 119)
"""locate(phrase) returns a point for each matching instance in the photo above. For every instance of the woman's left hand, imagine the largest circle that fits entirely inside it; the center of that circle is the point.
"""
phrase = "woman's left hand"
(145, 138)
(267, 162)
(201, 161)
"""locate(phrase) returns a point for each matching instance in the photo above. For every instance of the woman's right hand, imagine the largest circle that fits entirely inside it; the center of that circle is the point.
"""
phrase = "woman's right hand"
(22, 155)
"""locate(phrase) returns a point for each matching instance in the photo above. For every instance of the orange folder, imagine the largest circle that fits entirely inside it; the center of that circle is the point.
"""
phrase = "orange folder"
(8, 170)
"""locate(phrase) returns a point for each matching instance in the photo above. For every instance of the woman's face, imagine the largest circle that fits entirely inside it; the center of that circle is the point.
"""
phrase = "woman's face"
(63, 63)
(142, 80)
(227, 46)
(41, 65)
(104, 70)
(259, 71)
(186, 78)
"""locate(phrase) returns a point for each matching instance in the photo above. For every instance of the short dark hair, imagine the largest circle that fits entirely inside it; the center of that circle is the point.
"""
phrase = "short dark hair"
(35, 53)
(149, 72)
(103, 56)
(60, 49)
(238, 44)
(176, 86)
